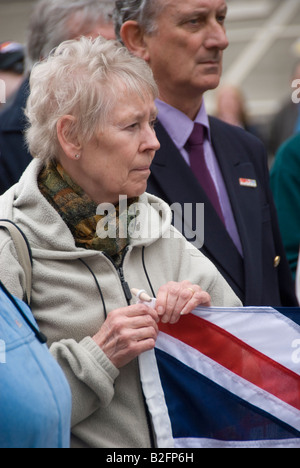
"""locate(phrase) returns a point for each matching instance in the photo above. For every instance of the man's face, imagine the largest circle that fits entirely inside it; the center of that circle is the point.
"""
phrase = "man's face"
(186, 52)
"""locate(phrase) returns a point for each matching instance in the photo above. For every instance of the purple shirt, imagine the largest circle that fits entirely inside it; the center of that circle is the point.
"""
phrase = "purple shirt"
(179, 127)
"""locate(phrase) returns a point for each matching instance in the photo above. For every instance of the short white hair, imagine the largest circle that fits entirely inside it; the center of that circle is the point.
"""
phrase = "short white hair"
(83, 79)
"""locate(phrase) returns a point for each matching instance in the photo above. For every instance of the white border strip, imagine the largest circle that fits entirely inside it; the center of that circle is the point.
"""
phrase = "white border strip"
(155, 399)
(212, 443)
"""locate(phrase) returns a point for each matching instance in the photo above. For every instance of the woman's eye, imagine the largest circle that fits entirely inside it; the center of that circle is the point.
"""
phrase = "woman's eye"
(153, 123)
(133, 126)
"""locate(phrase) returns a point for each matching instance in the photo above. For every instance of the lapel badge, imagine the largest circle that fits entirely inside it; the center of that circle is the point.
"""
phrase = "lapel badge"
(248, 183)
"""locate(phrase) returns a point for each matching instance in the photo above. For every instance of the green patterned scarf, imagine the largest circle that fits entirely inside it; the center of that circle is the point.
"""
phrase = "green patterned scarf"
(78, 211)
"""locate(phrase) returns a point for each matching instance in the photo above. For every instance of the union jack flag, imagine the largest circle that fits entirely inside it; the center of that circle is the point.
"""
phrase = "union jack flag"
(226, 378)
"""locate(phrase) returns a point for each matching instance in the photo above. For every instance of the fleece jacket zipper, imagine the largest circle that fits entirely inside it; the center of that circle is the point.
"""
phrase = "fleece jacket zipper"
(120, 271)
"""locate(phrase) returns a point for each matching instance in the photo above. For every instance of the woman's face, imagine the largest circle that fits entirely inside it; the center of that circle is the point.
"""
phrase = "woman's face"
(117, 161)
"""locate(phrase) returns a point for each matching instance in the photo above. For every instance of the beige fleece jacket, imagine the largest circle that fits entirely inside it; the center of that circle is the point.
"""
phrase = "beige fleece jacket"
(108, 404)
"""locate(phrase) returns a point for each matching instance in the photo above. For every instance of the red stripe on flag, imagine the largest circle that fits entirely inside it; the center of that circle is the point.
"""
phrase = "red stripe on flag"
(237, 356)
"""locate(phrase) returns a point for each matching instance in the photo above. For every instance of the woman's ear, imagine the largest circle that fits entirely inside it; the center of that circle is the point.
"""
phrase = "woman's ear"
(132, 36)
(67, 138)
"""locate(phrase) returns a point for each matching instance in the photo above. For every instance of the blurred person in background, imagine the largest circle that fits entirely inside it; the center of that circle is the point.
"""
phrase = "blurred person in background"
(11, 69)
(231, 107)
(286, 122)
(284, 179)
(52, 22)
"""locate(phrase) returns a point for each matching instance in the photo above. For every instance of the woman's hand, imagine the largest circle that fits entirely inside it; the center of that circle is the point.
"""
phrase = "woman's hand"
(130, 331)
(127, 333)
(176, 299)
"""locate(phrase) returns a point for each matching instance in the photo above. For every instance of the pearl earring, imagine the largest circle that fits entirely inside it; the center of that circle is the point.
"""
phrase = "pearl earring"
(77, 156)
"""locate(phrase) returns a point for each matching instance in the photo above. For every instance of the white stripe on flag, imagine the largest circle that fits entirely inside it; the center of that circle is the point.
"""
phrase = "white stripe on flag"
(265, 329)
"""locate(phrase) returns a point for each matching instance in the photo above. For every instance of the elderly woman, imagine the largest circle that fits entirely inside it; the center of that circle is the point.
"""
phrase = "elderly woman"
(91, 113)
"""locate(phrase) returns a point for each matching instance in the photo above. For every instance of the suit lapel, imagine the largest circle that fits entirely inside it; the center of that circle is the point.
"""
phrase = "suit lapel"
(168, 165)
(244, 201)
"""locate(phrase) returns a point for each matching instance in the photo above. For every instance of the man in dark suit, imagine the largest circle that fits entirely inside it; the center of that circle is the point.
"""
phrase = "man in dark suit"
(204, 160)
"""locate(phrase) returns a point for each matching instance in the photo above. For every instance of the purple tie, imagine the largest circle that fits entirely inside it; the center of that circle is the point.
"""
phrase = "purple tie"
(195, 149)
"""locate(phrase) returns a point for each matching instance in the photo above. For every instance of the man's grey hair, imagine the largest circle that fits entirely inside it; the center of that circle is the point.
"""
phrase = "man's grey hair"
(50, 23)
(145, 12)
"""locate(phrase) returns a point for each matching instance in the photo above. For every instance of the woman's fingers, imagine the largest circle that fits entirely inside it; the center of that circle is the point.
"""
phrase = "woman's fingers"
(128, 332)
(199, 298)
(176, 299)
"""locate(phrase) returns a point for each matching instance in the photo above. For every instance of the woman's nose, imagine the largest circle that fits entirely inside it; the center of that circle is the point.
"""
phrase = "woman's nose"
(150, 141)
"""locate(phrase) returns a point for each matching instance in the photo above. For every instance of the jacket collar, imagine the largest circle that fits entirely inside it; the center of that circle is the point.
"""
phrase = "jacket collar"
(245, 202)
